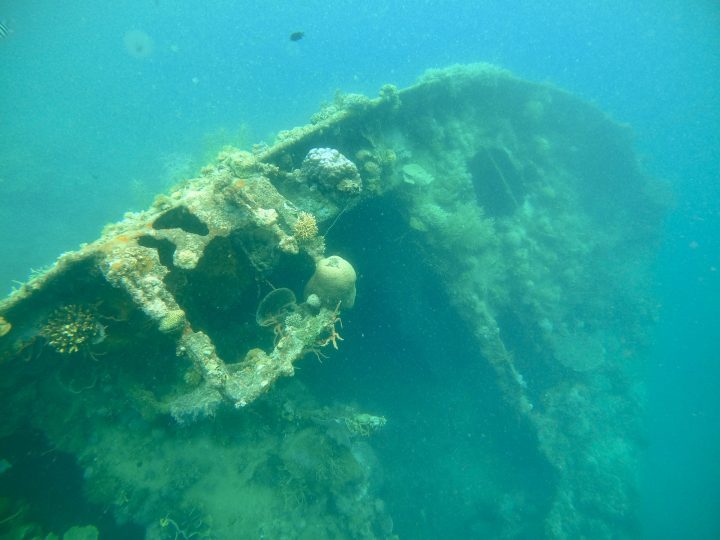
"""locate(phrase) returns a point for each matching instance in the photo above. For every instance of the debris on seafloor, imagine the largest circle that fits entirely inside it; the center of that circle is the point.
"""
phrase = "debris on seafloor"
(516, 197)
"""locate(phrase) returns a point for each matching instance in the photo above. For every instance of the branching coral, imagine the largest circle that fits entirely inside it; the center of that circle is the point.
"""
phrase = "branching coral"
(73, 328)
(305, 228)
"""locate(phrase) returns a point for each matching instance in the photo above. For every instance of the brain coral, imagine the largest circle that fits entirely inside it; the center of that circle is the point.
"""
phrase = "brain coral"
(333, 282)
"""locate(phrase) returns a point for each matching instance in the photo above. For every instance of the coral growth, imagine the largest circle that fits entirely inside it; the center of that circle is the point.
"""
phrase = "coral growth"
(73, 328)
(305, 228)
(275, 306)
(333, 282)
(332, 171)
(174, 321)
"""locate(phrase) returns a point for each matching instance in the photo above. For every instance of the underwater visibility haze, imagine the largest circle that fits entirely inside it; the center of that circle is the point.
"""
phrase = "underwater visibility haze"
(332, 270)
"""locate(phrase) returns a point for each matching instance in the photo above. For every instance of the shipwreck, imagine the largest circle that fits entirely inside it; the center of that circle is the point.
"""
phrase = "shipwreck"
(508, 219)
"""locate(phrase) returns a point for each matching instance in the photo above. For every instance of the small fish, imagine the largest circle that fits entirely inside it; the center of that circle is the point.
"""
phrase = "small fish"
(5, 465)
(4, 31)
(297, 36)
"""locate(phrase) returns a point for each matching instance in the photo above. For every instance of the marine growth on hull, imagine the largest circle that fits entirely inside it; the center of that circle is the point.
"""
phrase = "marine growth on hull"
(421, 315)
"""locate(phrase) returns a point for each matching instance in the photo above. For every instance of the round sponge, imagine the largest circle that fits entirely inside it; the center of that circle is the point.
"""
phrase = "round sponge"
(333, 281)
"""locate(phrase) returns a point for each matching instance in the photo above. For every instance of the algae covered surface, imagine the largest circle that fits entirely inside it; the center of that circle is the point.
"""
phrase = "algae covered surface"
(421, 315)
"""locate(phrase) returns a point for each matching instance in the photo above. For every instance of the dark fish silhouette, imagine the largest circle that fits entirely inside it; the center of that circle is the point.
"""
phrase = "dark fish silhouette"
(297, 36)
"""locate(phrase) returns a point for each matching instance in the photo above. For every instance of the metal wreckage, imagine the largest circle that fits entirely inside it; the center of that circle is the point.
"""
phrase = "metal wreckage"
(165, 341)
